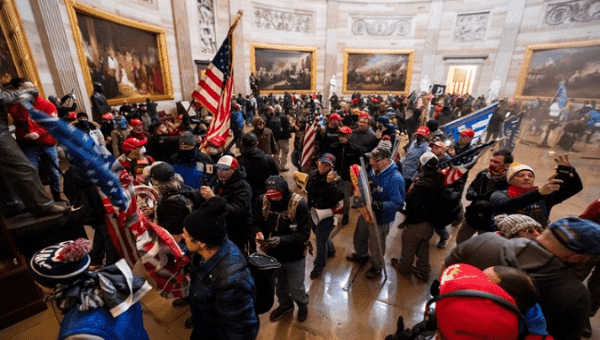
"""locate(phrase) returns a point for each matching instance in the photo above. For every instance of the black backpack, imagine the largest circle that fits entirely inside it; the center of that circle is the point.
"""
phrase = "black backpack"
(443, 207)
(275, 125)
(263, 269)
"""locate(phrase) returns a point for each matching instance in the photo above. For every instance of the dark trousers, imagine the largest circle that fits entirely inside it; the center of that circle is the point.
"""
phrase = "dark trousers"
(21, 175)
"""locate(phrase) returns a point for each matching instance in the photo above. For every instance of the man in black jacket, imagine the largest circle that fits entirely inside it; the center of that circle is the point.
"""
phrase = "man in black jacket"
(259, 166)
(232, 186)
(281, 224)
(479, 212)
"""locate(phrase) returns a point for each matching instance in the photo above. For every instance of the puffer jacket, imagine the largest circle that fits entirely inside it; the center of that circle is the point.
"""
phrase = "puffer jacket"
(388, 188)
(238, 194)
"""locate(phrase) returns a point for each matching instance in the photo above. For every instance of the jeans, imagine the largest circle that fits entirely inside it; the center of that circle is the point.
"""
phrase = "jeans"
(324, 244)
(296, 155)
(48, 157)
(290, 283)
(347, 187)
(443, 233)
(365, 239)
(284, 149)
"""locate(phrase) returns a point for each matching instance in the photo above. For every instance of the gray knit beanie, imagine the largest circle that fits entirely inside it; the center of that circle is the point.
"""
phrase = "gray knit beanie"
(510, 225)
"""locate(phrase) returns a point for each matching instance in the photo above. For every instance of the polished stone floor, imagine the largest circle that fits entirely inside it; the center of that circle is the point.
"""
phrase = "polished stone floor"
(343, 306)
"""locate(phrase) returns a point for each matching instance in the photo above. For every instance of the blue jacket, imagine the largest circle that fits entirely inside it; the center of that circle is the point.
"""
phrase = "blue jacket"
(410, 162)
(237, 120)
(222, 307)
(388, 188)
(100, 322)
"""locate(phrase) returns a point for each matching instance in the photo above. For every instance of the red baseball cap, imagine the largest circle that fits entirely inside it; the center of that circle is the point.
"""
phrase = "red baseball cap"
(107, 116)
(423, 131)
(217, 141)
(136, 122)
(346, 130)
(471, 316)
(468, 133)
(72, 115)
(335, 116)
(364, 115)
(133, 143)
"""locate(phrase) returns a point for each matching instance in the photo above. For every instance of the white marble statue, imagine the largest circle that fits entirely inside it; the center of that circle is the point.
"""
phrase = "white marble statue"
(332, 85)
(494, 89)
(425, 84)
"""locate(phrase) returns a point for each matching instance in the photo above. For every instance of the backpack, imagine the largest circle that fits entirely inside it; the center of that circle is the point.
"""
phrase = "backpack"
(443, 207)
(275, 125)
(262, 267)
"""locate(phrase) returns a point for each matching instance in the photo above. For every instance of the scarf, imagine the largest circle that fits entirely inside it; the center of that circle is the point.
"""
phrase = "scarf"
(515, 191)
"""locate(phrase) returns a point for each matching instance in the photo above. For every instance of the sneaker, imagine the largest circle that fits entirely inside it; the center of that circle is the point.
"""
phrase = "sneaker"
(302, 313)
(359, 259)
(331, 253)
(181, 302)
(189, 323)
(373, 273)
(316, 273)
(280, 311)
(345, 220)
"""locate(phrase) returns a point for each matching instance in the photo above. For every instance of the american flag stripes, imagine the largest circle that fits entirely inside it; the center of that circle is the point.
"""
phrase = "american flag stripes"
(220, 125)
(216, 75)
(454, 168)
(308, 145)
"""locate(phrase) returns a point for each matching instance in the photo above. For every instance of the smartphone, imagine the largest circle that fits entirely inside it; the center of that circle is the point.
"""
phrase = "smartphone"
(563, 172)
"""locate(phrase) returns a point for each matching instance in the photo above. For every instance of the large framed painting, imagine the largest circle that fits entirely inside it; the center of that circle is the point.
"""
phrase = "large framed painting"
(127, 57)
(15, 54)
(545, 66)
(281, 68)
(377, 71)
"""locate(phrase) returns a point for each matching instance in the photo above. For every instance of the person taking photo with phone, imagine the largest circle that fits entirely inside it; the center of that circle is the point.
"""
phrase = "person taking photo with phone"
(523, 197)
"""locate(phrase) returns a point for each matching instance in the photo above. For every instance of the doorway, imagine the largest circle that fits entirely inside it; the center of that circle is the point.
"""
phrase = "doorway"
(461, 79)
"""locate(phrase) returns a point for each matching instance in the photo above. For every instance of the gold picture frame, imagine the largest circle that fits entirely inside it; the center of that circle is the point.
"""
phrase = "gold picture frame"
(377, 71)
(282, 68)
(17, 60)
(128, 57)
(545, 66)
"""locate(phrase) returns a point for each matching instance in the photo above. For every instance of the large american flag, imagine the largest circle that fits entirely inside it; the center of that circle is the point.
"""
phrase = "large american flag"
(216, 87)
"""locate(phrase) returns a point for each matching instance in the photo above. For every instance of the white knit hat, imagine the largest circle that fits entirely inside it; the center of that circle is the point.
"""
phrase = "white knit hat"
(510, 225)
(515, 168)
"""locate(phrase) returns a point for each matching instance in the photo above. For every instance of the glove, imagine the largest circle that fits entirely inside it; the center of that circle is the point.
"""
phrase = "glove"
(274, 241)
(377, 205)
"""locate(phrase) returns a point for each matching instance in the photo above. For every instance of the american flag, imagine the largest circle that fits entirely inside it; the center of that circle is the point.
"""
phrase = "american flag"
(454, 168)
(133, 235)
(216, 75)
(216, 87)
(308, 144)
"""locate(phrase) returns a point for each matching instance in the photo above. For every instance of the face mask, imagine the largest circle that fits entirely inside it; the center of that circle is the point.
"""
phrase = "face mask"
(188, 155)
(213, 151)
(142, 150)
(83, 125)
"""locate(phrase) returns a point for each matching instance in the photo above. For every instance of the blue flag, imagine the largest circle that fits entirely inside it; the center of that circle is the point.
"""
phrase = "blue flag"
(561, 95)
(85, 155)
(477, 121)
(510, 130)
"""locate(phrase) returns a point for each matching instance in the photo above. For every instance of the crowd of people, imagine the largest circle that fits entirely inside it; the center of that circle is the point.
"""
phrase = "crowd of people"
(223, 203)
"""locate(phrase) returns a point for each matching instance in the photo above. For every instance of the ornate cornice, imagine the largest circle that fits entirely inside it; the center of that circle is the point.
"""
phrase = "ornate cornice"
(292, 21)
(381, 26)
(572, 11)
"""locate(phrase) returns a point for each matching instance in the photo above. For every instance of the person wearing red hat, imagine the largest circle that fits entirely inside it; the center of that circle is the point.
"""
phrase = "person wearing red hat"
(346, 154)
(216, 148)
(133, 159)
(329, 136)
(463, 145)
(106, 127)
(410, 162)
(137, 130)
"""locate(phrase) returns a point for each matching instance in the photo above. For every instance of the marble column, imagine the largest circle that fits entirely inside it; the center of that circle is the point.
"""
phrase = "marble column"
(331, 52)
(508, 39)
(428, 63)
(60, 61)
(184, 51)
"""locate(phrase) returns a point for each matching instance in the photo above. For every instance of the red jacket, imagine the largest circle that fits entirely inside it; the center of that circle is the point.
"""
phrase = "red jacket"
(25, 125)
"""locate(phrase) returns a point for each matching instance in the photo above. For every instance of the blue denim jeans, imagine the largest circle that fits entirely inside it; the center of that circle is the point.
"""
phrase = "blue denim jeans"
(46, 157)
(290, 283)
(443, 233)
(324, 244)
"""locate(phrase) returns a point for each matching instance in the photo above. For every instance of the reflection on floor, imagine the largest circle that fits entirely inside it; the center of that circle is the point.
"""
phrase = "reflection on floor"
(341, 306)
